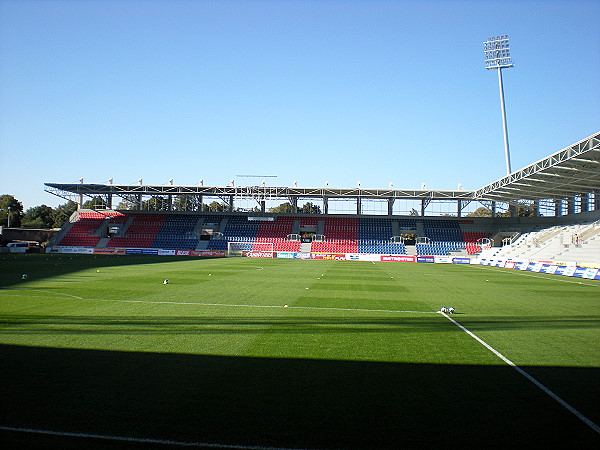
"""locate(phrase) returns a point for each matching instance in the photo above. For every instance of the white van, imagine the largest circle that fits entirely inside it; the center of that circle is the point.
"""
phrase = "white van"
(18, 247)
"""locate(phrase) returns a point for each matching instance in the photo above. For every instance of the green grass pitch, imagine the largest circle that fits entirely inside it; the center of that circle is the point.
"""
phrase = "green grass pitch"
(292, 354)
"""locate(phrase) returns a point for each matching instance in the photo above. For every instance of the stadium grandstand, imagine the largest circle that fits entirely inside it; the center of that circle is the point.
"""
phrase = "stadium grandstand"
(561, 193)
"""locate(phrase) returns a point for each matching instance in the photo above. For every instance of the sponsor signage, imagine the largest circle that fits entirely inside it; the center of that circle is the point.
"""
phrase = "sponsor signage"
(79, 250)
(370, 257)
(329, 256)
(461, 260)
(259, 254)
(141, 251)
(109, 251)
(210, 253)
(442, 259)
(400, 258)
(589, 273)
(302, 256)
(560, 270)
(286, 255)
(425, 259)
(537, 267)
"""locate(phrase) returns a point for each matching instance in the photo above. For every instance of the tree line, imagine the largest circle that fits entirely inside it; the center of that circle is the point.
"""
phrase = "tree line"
(13, 215)
(43, 216)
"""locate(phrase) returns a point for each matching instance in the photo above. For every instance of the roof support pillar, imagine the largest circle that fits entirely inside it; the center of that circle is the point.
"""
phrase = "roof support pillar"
(571, 205)
(390, 208)
(587, 202)
(557, 205)
(358, 205)
(325, 205)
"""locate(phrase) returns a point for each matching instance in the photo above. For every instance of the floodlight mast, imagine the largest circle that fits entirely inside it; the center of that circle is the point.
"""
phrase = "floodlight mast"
(497, 57)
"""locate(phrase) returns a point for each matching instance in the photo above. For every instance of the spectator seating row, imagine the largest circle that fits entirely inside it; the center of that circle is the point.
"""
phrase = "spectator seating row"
(342, 234)
(276, 232)
(141, 232)
(374, 236)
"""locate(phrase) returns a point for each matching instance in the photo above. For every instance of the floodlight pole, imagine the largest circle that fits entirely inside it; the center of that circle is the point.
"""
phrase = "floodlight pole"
(504, 126)
(497, 57)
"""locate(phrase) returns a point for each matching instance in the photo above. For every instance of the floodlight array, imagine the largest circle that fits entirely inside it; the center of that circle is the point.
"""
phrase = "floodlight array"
(496, 51)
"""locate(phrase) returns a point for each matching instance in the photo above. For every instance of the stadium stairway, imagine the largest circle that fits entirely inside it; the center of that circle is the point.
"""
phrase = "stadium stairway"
(102, 242)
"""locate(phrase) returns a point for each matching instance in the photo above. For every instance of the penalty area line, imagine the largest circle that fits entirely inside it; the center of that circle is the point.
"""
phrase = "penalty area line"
(139, 440)
(546, 390)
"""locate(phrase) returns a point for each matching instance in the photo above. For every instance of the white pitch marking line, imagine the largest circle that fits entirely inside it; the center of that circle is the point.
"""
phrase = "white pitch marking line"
(140, 440)
(569, 408)
(46, 292)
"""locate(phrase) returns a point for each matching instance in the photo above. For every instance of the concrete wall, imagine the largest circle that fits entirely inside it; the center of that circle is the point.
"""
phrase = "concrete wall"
(26, 234)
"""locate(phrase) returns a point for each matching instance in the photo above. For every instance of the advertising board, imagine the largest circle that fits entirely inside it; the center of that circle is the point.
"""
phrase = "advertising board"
(259, 255)
(461, 260)
(76, 250)
(141, 251)
(109, 251)
(442, 259)
(590, 273)
(399, 258)
(329, 256)
(286, 255)
(425, 259)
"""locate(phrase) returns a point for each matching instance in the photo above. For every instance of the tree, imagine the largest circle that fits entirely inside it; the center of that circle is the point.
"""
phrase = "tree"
(127, 204)
(9, 205)
(310, 208)
(95, 203)
(216, 207)
(187, 203)
(62, 213)
(283, 208)
(525, 210)
(38, 217)
(481, 212)
(157, 203)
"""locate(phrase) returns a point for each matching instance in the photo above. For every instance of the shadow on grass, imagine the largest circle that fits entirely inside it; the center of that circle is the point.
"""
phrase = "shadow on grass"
(287, 402)
(294, 324)
(40, 266)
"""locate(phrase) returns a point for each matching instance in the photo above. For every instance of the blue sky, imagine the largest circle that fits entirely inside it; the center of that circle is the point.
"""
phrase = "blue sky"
(312, 91)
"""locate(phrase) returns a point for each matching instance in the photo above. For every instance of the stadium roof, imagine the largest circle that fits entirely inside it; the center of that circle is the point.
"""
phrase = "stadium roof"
(573, 171)
(569, 172)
